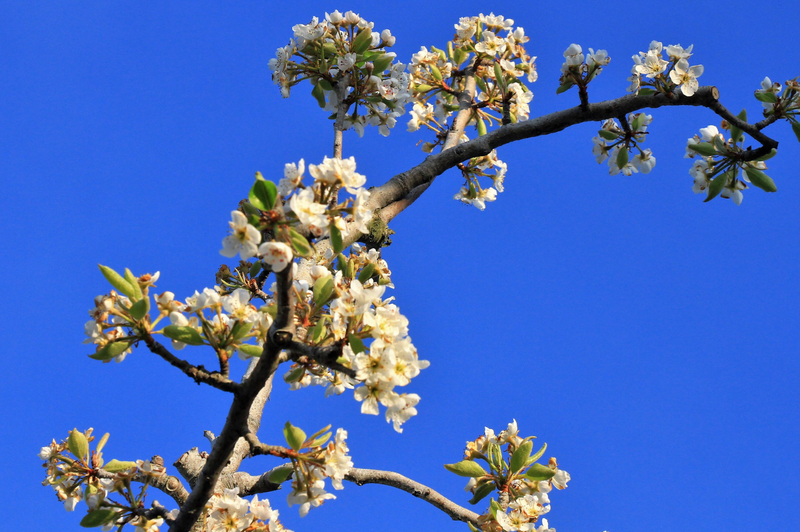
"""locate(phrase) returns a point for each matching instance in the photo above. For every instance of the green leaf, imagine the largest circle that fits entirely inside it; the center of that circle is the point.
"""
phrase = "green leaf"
(344, 266)
(320, 441)
(115, 466)
(116, 280)
(520, 456)
(768, 156)
(498, 76)
(423, 88)
(736, 133)
(140, 308)
(250, 350)
(319, 95)
(300, 243)
(295, 375)
(134, 282)
(536, 456)
(323, 289)
(796, 129)
(280, 474)
(472, 527)
(622, 157)
(459, 56)
(481, 127)
(183, 333)
(102, 442)
(362, 41)
(494, 508)
(78, 444)
(646, 92)
(255, 268)
(706, 149)
(760, 179)
(565, 87)
(336, 239)
(366, 273)
(382, 62)
(111, 350)
(481, 84)
(482, 492)
(319, 331)
(325, 84)
(263, 194)
(356, 344)
(716, 186)
(98, 518)
(539, 472)
(294, 436)
(608, 135)
(637, 122)
(252, 213)
(436, 73)
(241, 329)
(466, 468)
(766, 97)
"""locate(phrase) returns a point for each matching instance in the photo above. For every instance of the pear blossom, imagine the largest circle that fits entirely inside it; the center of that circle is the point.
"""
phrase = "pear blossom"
(277, 254)
(244, 238)
(644, 162)
(686, 76)
(479, 200)
(292, 176)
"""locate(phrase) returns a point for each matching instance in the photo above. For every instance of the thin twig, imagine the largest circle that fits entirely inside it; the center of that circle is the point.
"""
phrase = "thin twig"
(396, 480)
(199, 375)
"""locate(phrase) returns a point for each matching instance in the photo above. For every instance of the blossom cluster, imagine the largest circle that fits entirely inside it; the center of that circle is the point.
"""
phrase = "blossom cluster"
(781, 102)
(76, 473)
(650, 69)
(346, 306)
(579, 69)
(348, 65)
(718, 162)
(523, 484)
(472, 193)
(498, 66)
(615, 144)
(227, 512)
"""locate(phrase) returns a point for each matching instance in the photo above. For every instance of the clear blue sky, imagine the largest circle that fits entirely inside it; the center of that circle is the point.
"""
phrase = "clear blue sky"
(650, 339)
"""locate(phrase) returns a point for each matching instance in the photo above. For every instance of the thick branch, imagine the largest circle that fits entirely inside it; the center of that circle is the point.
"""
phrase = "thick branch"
(402, 184)
(280, 334)
(396, 480)
(198, 374)
(341, 110)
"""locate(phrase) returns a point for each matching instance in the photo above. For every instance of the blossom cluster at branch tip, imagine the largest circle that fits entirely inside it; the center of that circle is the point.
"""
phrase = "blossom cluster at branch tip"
(524, 485)
(349, 67)
(579, 69)
(718, 162)
(77, 473)
(652, 73)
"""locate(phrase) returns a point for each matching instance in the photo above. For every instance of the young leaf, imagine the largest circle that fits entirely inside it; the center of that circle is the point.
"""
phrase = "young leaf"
(78, 444)
(520, 456)
(102, 442)
(134, 282)
(381, 63)
(97, 518)
(608, 135)
(140, 308)
(466, 468)
(706, 149)
(539, 472)
(115, 466)
(362, 41)
(716, 186)
(294, 436)
(622, 157)
(263, 194)
(183, 333)
(481, 127)
(766, 97)
(536, 456)
(760, 179)
(796, 129)
(344, 266)
(323, 289)
(481, 492)
(356, 344)
(116, 280)
(336, 239)
(280, 473)
(366, 273)
(295, 375)
(250, 350)
(300, 243)
(736, 133)
(319, 95)
(318, 332)
(111, 350)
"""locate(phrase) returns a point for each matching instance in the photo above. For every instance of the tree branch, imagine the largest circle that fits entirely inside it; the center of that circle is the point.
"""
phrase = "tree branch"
(325, 356)
(401, 185)
(199, 374)
(396, 480)
(278, 338)
(168, 484)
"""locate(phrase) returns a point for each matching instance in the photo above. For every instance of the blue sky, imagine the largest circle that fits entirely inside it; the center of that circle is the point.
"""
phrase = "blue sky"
(650, 339)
